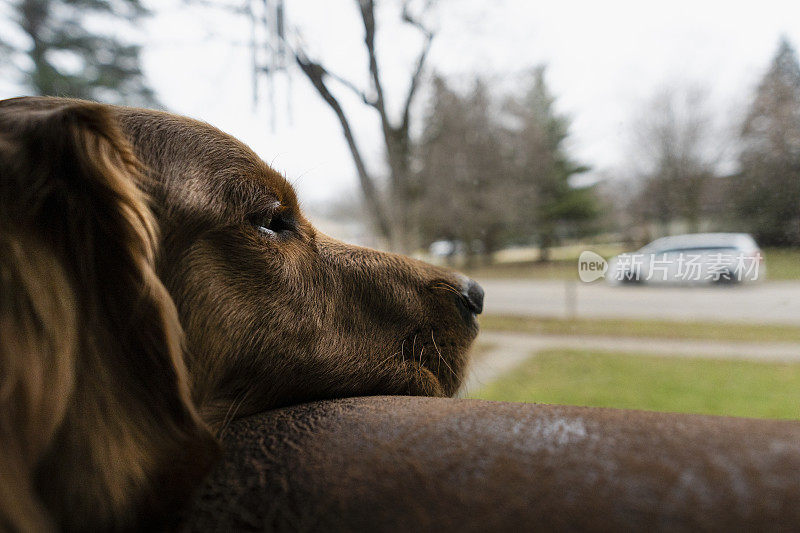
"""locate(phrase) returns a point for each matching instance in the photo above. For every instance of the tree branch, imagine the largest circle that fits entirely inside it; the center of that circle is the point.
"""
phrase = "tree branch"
(408, 18)
(423, 56)
(352, 86)
(316, 75)
(368, 18)
(415, 79)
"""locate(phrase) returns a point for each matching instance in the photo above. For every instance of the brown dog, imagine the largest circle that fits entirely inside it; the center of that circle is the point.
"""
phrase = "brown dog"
(119, 348)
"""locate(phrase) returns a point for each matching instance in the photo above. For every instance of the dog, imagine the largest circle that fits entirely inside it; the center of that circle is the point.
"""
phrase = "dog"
(157, 280)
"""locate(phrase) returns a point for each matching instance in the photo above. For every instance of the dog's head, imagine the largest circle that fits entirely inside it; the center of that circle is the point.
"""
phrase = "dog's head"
(96, 405)
(276, 312)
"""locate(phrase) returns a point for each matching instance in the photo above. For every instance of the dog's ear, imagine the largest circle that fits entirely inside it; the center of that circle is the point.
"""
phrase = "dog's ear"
(96, 424)
(38, 341)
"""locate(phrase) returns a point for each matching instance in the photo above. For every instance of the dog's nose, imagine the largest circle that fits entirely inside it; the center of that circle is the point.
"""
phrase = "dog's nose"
(473, 296)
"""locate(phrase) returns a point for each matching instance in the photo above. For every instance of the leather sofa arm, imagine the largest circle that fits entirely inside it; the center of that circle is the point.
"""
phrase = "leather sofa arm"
(432, 464)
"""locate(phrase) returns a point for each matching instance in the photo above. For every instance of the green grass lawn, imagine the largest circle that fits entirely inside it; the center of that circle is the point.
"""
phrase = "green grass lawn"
(782, 263)
(662, 329)
(599, 379)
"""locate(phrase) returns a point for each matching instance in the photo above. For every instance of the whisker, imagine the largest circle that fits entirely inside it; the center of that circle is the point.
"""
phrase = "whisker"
(444, 284)
(419, 368)
(225, 418)
(447, 288)
(403, 354)
(232, 410)
(441, 358)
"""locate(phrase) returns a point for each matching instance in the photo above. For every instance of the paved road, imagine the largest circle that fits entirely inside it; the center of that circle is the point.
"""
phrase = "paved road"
(771, 302)
(505, 351)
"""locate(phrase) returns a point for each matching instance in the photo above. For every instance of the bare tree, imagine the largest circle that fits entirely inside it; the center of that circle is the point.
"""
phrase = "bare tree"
(392, 217)
(274, 38)
(676, 153)
(464, 181)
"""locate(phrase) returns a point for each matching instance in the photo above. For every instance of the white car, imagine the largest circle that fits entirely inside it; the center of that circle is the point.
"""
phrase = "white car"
(691, 259)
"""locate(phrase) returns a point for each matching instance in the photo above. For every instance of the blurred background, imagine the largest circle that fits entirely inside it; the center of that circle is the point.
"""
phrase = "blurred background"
(503, 138)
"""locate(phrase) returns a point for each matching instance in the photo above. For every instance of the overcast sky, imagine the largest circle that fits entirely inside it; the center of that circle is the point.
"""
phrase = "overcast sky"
(605, 60)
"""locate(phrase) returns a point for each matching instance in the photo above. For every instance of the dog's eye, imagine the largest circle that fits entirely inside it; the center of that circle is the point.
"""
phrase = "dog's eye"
(272, 223)
(262, 223)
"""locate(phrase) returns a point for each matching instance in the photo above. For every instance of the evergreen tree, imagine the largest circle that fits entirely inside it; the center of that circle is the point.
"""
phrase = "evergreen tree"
(549, 203)
(767, 192)
(490, 179)
(63, 57)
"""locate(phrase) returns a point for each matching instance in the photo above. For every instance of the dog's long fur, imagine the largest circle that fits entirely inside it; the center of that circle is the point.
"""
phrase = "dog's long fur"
(100, 419)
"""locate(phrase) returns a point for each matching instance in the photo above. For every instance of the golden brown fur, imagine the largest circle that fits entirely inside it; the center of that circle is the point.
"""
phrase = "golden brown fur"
(100, 389)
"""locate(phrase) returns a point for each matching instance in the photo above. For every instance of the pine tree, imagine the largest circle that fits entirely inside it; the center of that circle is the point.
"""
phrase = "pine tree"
(489, 179)
(767, 192)
(546, 198)
(62, 57)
